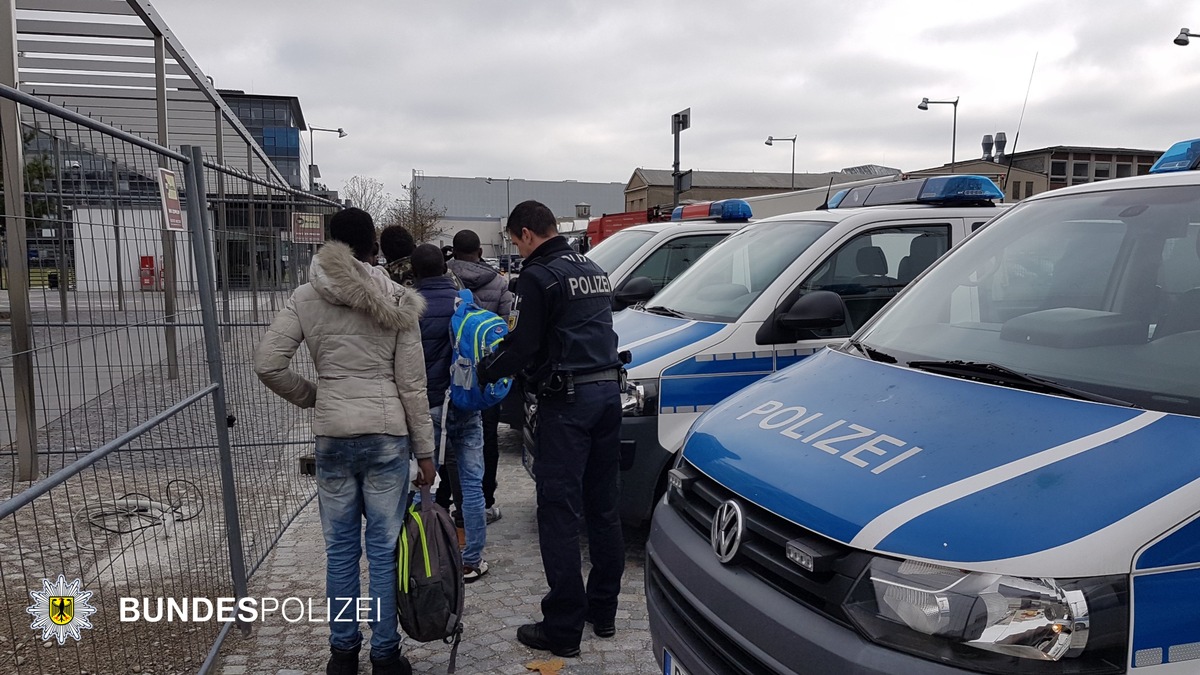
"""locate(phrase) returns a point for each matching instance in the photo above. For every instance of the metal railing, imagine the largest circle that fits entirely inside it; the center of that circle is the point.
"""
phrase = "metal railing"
(138, 454)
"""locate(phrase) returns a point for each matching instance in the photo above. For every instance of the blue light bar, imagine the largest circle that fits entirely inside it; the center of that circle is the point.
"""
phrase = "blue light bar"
(962, 189)
(730, 209)
(725, 209)
(837, 199)
(1183, 156)
(957, 189)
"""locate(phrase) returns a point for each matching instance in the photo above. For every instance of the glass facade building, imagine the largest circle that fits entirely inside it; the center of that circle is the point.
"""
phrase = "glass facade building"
(275, 122)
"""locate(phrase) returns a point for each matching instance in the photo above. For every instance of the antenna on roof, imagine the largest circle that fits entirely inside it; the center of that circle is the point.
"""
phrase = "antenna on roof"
(828, 189)
(1016, 138)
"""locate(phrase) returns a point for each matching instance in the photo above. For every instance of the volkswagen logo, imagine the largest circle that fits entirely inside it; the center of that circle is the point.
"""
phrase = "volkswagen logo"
(727, 529)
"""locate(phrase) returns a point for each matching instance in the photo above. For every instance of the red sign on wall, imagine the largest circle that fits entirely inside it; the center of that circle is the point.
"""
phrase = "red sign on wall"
(169, 189)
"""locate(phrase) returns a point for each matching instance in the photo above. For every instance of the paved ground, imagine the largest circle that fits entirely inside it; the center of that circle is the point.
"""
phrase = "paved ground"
(504, 599)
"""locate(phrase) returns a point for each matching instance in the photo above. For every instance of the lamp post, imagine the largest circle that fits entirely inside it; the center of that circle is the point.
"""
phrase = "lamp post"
(507, 209)
(924, 105)
(771, 140)
(312, 162)
(1182, 38)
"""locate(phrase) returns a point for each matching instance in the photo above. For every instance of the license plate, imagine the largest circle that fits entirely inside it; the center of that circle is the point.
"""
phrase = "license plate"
(670, 667)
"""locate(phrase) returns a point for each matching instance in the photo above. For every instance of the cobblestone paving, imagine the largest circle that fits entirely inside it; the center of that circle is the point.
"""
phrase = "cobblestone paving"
(496, 604)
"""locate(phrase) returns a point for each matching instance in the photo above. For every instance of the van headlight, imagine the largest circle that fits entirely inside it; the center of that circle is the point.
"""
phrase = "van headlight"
(640, 397)
(954, 616)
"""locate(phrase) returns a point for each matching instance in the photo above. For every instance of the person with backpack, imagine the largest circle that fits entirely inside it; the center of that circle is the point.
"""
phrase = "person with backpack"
(371, 414)
(562, 339)
(463, 428)
(491, 292)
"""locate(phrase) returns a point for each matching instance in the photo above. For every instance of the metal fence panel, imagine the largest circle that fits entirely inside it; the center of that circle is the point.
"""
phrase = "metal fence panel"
(126, 427)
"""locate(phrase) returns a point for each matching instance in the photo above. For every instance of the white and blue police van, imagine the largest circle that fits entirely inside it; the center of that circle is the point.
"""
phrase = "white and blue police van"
(999, 473)
(730, 318)
(642, 259)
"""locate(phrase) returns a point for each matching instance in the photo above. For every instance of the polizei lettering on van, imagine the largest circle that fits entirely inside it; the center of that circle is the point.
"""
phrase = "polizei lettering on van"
(588, 287)
(836, 437)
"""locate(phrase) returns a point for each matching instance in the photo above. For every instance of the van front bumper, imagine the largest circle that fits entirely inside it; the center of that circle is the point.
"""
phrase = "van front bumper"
(716, 619)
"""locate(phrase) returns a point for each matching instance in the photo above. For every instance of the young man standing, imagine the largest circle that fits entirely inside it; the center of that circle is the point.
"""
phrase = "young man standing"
(563, 340)
(491, 292)
(463, 429)
(370, 415)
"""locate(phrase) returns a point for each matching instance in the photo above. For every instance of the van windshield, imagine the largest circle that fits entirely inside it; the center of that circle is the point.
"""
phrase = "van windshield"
(1097, 292)
(722, 284)
(610, 253)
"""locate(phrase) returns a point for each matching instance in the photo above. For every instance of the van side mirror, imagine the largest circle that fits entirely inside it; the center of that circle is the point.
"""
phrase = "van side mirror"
(811, 311)
(633, 291)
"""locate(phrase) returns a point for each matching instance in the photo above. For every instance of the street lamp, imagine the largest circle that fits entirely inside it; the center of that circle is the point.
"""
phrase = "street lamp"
(1184, 34)
(507, 208)
(771, 141)
(312, 162)
(924, 105)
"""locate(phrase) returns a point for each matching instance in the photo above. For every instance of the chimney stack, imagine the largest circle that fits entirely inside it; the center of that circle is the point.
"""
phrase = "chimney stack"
(987, 147)
(1001, 141)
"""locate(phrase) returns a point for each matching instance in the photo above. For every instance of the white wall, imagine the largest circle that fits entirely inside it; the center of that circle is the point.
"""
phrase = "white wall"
(96, 257)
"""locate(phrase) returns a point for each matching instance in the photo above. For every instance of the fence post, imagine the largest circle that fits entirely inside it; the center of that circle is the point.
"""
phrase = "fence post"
(117, 237)
(198, 225)
(170, 273)
(12, 147)
(60, 226)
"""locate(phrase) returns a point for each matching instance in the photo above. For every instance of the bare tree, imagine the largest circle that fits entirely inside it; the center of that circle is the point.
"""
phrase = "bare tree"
(368, 194)
(420, 215)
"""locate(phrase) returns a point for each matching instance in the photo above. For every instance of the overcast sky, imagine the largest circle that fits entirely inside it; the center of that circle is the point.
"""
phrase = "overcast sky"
(575, 90)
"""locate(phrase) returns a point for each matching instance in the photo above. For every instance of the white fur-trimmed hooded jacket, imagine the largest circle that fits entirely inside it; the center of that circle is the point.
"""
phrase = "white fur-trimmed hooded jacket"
(362, 331)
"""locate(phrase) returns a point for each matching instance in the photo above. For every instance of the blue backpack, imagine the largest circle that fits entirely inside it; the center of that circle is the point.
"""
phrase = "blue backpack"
(474, 333)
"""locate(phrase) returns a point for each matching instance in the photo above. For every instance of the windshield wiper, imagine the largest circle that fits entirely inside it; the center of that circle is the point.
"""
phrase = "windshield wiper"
(667, 311)
(871, 352)
(997, 374)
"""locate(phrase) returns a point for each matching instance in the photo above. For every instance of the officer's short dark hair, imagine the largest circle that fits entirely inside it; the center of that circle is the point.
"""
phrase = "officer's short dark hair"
(466, 242)
(533, 216)
(427, 261)
(396, 242)
(354, 228)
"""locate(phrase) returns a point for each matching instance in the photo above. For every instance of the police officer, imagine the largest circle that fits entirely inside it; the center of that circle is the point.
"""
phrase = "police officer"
(562, 341)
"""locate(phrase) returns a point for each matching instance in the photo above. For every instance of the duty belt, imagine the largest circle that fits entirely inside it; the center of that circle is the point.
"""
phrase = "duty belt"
(610, 375)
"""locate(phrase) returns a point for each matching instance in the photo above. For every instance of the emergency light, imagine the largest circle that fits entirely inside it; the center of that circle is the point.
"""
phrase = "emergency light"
(1183, 156)
(955, 190)
(725, 209)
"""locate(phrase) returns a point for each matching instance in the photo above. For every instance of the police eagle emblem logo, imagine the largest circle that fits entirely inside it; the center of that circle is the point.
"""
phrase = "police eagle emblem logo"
(61, 609)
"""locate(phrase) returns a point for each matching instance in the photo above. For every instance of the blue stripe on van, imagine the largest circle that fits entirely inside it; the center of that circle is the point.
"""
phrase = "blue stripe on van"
(709, 364)
(692, 392)
(1059, 503)
(1166, 617)
(1181, 547)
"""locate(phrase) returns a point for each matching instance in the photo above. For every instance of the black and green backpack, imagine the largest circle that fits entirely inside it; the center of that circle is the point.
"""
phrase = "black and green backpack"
(430, 589)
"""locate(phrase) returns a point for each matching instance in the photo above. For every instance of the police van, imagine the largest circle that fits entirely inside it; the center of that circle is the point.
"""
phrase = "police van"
(642, 259)
(731, 318)
(999, 473)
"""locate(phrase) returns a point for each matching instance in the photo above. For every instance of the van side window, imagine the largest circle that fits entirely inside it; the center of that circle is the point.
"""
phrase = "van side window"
(871, 268)
(673, 257)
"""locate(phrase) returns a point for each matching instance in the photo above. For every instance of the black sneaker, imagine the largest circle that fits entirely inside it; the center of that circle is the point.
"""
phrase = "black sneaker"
(531, 636)
(492, 514)
(342, 661)
(396, 664)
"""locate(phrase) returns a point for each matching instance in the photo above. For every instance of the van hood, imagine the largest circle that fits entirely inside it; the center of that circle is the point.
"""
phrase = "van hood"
(650, 337)
(913, 464)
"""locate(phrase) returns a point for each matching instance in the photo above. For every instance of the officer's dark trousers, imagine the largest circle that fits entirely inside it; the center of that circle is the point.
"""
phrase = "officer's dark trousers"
(577, 465)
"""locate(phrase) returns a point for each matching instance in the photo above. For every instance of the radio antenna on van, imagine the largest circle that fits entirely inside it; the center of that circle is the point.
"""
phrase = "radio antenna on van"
(1017, 138)
(828, 189)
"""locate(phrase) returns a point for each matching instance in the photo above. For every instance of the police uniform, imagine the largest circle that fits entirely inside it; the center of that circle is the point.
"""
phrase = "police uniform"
(562, 341)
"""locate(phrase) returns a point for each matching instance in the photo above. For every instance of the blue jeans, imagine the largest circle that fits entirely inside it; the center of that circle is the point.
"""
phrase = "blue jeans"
(356, 477)
(465, 439)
